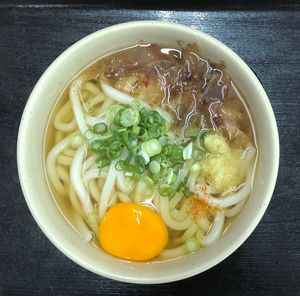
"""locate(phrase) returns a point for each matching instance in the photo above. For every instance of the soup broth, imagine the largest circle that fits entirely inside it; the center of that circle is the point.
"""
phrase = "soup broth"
(150, 152)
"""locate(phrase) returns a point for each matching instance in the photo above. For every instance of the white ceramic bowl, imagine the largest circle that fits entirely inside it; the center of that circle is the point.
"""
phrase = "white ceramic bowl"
(31, 159)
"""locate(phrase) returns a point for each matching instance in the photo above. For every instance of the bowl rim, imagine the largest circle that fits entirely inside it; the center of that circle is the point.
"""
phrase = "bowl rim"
(197, 269)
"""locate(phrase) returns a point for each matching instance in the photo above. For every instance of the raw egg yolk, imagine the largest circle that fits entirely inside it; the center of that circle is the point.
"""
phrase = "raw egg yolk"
(131, 231)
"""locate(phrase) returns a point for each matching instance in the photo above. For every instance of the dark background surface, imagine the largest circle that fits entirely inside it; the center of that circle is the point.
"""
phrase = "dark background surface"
(265, 34)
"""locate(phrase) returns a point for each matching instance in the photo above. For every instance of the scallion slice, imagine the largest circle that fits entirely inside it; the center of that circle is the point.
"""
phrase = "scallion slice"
(192, 245)
(187, 151)
(129, 117)
(152, 147)
(166, 190)
(154, 167)
(100, 128)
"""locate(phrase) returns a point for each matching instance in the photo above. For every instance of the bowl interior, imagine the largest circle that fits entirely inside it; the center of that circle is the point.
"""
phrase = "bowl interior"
(31, 138)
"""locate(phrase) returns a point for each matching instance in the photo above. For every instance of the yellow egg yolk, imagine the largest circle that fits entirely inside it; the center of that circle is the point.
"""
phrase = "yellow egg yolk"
(131, 231)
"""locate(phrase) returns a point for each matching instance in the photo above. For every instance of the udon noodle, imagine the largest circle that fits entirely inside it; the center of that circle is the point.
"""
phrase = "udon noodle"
(158, 127)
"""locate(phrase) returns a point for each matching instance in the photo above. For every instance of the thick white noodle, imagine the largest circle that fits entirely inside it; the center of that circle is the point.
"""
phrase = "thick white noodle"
(76, 105)
(186, 235)
(104, 107)
(175, 200)
(91, 120)
(64, 126)
(138, 192)
(64, 160)
(93, 174)
(107, 189)
(69, 152)
(165, 214)
(232, 199)
(200, 234)
(113, 198)
(82, 228)
(74, 201)
(51, 164)
(215, 231)
(174, 253)
(77, 180)
(94, 190)
(123, 197)
(63, 174)
(92, 88)
(235, 209)
(89, 162)
(115, 94)
(121, 183)
(58, 136)
(97, 99)
(203, 222)
(163, 113)
(156, 202)
(180, 214)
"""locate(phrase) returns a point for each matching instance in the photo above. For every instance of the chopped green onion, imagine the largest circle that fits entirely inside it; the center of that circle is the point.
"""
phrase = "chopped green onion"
(133, 140)
(120, 165)
(163, 140)
(114, 127)
(89, 135)
(173, 151)
(136, 104)
(186, 191)
(113, 110)
(139, 164)
(105, 136)
(117, 118)
(103, 163)
(155, 177)
(143, 134)
(154, 167)
(145, 156)
(171, 177)
(143, 114)
(76, 142)
(192, 245)
(182, 184)
(153, 131)
(166, 190)
(129, 117)
(136, 176)
(152, 147)
(165, 163)
(100, 128)
(187, 151)
(148, 180)
(136, 130)
(96, 146)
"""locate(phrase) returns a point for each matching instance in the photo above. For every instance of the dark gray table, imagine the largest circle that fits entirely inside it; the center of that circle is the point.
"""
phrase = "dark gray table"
(268, 39)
